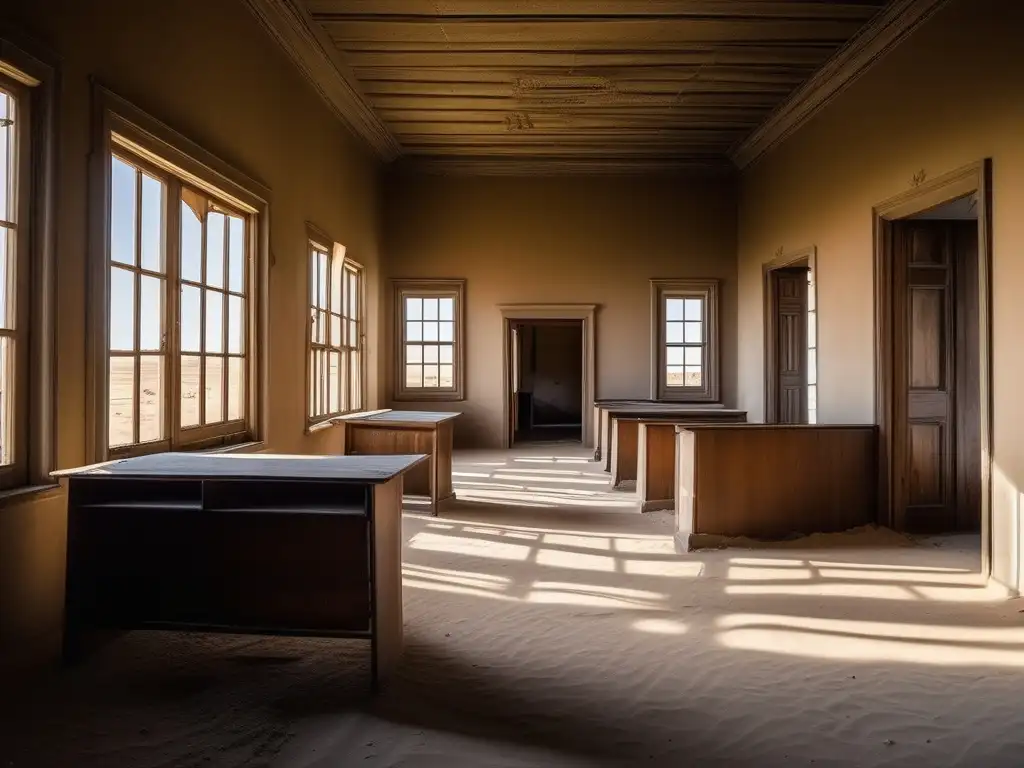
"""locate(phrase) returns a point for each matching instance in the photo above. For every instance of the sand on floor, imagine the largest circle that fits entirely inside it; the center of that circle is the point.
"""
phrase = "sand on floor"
(549, 623)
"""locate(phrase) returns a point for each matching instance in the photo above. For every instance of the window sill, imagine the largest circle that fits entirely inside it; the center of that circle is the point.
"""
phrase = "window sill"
(251, 447)
(429, 397)
(320, 426)
(30, 494)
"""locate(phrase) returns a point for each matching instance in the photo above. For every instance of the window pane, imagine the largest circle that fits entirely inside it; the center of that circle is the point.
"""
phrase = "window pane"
(6, 278)
(355, 381)
(344, 372)
(214, 321)
(6, 155)
(321, 330)
(430, 353)
(336, 338)
(414, 309)
(334, 384)
(446, 354)
(121, 403)
(693, 356)
(674, 355)
(413, 353)
(191, 244)
(236, 251)
(214, 390)
(315, 385)
(215, 249)
(314, 276)
(446, 309)
(812, 366)
(152, 224)
(122, 211)
(151, 313)
(151, 398)
(190, 370)
(323, 276)
(414, 331)
(673, 309)
(674, 375)
(446, 332)
(122, 309)
(312, 384)
(190, 319)
(6, 400)
(694, 332)
(693, 377)
(413, 376)
(339, 279)
(353, 294)
(236, 388)
(447, 376)
(694, 309)
(236, 325)
(430, 376)
(430, 309)
(812, 330)
(674, 333)
(430, 331)
(353, 333)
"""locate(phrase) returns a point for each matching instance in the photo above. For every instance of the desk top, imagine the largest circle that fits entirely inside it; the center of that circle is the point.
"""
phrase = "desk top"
(401, 418)
(252, 466)
(611, 403)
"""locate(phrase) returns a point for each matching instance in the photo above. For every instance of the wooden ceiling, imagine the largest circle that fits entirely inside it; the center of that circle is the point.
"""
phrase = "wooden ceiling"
(622, 83)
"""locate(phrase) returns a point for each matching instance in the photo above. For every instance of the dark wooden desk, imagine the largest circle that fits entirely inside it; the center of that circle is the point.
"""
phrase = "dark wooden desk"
(250, 544)
(403, 432)
(624, 431)
(769, 481)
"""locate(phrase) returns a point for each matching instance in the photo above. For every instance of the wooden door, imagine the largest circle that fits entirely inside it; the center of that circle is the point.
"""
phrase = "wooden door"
(924, 368)
(791, 344)
(513, 383)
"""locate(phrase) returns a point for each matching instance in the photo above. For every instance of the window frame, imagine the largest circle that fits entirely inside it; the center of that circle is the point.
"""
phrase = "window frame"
(403, 288)
(317, 238)
(689, 288)
(121, 128)
(28, 72)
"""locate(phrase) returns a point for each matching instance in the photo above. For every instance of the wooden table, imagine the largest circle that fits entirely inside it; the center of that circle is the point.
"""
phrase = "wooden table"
(770, 481)
(251, 544)
(624, 431)
(404, 432)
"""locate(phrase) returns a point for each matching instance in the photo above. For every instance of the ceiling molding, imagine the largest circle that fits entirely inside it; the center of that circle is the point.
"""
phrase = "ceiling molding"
(559, 166)
(305, 42)
(878, 37)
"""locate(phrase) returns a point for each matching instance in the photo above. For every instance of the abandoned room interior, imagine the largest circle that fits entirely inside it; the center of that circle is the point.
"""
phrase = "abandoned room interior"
(476, 382)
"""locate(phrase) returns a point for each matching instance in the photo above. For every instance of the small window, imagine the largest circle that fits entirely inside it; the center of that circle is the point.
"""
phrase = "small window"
(685, 339)
(15, 285)
(336, 331)
(429, 339)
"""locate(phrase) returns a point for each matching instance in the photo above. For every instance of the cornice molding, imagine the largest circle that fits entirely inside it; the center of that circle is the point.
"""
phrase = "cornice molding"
(886, 31)
(312, 51)
(567, 166)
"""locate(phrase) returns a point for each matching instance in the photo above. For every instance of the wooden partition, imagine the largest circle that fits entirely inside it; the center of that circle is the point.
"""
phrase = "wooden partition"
(769, 481)
(602, 444)
(624, 425)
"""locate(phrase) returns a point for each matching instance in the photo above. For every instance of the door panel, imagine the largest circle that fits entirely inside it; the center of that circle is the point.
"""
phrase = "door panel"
(924, 311)
(791, 344)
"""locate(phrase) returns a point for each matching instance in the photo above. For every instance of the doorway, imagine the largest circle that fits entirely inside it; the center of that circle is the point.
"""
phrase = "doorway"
(933, 263)
(548, 382)
(549, 348)
(790, 340)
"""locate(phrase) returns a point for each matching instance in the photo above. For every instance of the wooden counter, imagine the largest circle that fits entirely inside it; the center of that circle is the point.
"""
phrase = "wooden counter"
(407, 432)
(601, 443)
(250, 544)
(768, 481)
(624, 431)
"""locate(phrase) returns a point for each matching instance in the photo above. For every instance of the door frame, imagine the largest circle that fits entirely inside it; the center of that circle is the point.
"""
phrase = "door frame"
(580, 312)
(804, 257)
(975, 178)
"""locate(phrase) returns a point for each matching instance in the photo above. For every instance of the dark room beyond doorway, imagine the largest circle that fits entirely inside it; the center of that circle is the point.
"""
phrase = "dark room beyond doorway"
(548, 385)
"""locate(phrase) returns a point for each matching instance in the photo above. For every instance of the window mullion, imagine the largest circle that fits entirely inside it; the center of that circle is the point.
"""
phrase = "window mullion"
(137, 319)
(225, 313)
(172, 328)
(201, 394)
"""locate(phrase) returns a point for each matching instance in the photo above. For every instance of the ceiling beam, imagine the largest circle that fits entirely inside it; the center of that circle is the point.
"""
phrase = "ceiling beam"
(560, 166)
(308, 46)
(883, 34)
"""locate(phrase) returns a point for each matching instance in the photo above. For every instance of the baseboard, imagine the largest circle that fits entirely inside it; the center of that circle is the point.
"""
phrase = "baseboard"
(657, 505)
(625, 485)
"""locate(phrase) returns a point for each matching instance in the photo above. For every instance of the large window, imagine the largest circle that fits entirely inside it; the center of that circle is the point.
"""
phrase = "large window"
(429, 339)
(181, 316)
(14, 281)
(336, 331)
(684, 314)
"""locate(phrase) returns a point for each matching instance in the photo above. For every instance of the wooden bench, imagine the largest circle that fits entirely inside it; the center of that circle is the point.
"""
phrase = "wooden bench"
(407, 432)
(624, 432)
(248, 544)
(768, 481)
